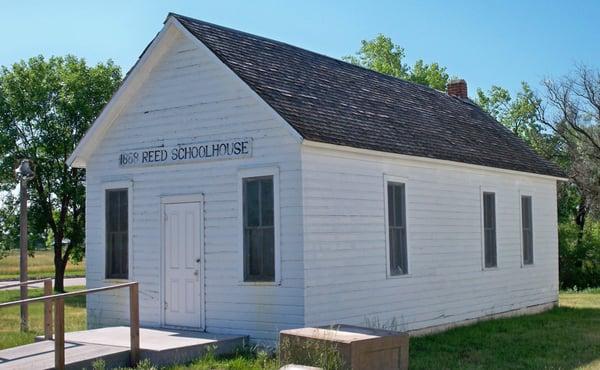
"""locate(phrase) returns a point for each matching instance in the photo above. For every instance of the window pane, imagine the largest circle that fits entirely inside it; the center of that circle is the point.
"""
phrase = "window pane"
(489, 210)
(403, 258)
(391, 211)
(399, 204)
(266, 197)
(253, 240)
(117, 233)
(394, 251)
(251, 202)
(490, 248)
(269, 253)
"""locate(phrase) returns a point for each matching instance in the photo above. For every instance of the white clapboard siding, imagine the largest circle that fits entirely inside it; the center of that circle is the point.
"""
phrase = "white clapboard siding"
(331, 213)
(191, 95)
(345, 241)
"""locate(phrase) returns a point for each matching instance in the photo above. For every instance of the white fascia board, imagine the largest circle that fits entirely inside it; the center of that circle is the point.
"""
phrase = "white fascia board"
(125, 92)
(376, 153)
(134, 80)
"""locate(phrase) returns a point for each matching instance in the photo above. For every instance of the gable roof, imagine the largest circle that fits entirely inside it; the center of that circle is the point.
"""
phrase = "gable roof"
(330, 101)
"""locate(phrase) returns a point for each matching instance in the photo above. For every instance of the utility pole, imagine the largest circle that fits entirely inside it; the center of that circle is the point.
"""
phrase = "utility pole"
(24, 173)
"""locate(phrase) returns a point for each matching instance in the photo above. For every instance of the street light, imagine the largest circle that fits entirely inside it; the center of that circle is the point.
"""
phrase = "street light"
(24, 173)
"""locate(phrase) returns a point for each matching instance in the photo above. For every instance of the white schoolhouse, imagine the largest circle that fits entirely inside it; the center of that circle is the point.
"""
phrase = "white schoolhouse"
(251, 186)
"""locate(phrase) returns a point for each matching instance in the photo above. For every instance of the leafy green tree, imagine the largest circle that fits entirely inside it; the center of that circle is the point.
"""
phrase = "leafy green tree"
(46, 106)
(382, 55)
(519, 114)
(571, 110)
(432, 75)
(563, 124)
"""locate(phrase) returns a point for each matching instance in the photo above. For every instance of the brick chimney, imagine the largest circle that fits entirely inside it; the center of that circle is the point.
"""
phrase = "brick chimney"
(457, 88)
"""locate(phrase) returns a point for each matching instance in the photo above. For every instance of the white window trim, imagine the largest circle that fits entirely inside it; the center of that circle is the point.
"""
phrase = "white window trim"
(127, 184)
(488, 189)
(247, 172)
(403, 180)
(526, 193)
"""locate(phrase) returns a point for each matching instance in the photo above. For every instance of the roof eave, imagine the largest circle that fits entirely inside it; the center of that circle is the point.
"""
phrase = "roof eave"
(129, 86)
(351, 149)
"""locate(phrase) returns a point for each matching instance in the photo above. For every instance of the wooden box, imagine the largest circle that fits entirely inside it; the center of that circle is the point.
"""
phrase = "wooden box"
(359, 348)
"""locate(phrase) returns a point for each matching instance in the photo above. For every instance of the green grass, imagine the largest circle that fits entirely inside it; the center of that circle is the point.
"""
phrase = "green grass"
(10, 335)
(567, 337)
(246, 360)
(40, 266)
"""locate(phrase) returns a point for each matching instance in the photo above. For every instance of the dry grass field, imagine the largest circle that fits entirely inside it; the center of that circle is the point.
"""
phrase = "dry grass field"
(41, 265)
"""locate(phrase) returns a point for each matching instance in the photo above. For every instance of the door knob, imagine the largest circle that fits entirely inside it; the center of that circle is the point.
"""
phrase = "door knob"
(197, 260)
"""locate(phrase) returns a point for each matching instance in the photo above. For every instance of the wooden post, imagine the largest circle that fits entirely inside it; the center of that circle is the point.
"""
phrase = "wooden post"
(48, 310)
(23, 255)
(134, 324)
(59, 334)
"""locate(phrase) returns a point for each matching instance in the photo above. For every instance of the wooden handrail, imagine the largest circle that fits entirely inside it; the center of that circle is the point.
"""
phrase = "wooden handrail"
(67, 295)
(59, 317)
(28, 282)
(47, 305)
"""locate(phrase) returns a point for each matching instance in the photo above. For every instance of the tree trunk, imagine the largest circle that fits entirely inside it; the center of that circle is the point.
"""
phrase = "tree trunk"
(59, 269)
(580, 217)
(59, 277)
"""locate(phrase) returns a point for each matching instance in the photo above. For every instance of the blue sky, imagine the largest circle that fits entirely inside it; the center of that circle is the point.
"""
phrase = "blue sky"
(484, 42)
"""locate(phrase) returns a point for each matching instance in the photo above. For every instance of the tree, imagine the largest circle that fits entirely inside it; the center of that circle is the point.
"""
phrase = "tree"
(432, 75)
(519, 114)
(563, 124)
(45, 108)
(571, 110)
(382, 55)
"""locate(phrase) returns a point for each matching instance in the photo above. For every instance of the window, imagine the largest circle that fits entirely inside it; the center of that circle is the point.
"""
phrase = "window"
(259, 229)
(396, 214)
(489, 230)
(527, 229)
(117, 233)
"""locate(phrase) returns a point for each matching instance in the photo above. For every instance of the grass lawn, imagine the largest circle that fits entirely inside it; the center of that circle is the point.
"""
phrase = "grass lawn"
(10, 319)
(567, 337)
(41, 265)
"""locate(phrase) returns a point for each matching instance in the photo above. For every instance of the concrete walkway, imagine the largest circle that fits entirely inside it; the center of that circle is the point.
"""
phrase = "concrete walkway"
(68, 282)
(161, 346)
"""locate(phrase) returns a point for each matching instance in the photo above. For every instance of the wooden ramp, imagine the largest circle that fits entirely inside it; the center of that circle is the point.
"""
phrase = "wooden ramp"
(82, 348)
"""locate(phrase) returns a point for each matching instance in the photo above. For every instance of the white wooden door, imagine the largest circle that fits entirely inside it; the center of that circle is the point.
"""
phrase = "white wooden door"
(183, 262)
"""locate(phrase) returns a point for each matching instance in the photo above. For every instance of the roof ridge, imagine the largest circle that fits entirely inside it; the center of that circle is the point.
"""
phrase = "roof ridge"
(386, 76)
(358, 107)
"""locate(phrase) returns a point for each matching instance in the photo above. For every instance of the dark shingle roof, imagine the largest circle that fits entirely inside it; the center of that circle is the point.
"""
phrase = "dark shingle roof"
(331, 101)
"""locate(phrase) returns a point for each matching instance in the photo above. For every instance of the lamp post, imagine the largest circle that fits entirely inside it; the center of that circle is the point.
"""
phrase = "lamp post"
(24, 173)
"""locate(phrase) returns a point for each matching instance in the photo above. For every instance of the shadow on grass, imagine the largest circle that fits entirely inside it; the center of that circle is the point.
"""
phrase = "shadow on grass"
(563, 338)
(10, 334)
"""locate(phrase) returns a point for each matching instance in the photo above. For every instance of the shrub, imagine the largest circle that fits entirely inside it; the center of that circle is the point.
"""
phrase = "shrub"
(579, 256)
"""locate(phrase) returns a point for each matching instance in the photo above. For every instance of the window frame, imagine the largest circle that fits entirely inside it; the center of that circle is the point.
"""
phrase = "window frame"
(396, 180)
(482, 192)
(252, 172)
(522, 241)
(115, 185)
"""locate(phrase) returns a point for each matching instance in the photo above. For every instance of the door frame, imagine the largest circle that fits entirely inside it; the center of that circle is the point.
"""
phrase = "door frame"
(174, 199)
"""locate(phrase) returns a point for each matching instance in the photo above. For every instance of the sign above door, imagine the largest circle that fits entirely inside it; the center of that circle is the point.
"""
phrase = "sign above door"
(186, 153)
